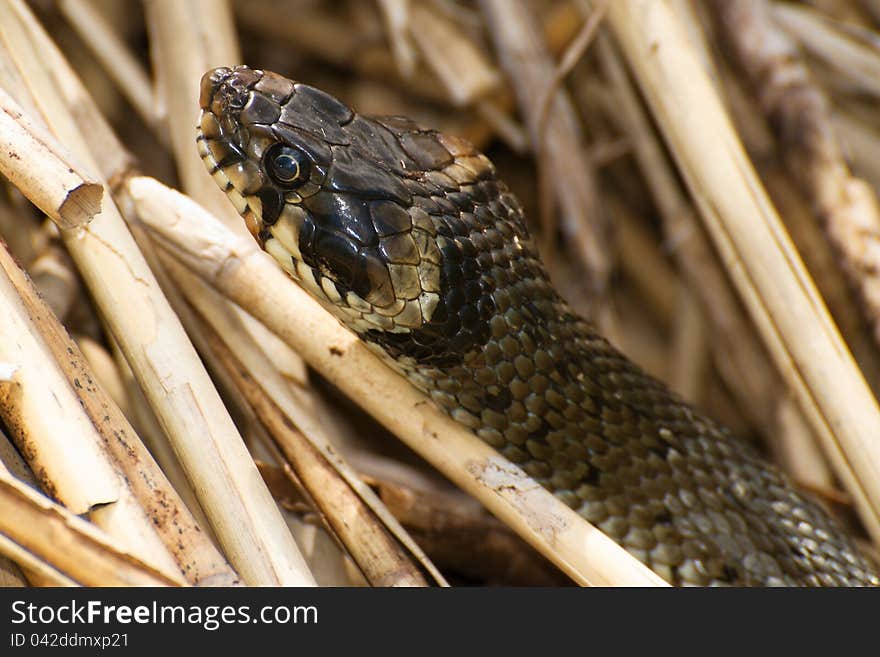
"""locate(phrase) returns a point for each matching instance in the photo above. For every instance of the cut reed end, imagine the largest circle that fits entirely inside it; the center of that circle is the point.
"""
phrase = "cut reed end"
(80, 205)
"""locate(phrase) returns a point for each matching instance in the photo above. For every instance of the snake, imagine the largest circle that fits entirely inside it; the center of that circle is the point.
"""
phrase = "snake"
(408, 237)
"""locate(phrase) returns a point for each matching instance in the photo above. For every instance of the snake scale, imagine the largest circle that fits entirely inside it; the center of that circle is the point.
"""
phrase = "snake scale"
(408, 237)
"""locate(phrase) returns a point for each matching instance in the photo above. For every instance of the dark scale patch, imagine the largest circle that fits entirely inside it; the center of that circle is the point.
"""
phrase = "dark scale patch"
(233, 155)
(341, 244)
(316, 102)
(365, 134)
(273, 203)
(458, 326)
(398, 124)
(389, 218)
(368, 180)
(345, 214)
(260, 109)
(316, 112)
(424, 148)
(317, 149)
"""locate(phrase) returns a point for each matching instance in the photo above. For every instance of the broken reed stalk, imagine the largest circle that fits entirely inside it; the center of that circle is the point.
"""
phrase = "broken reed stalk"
(243, 514)
(748, 234)
(193, 551)
(63, 447)
(65, 543)
(236, 267)
(35, 163)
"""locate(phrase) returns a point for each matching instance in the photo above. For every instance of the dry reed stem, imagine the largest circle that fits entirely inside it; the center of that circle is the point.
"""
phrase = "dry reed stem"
(739, 356)
(396, 16)
(113, 55)
(793, 445)
(330, 36)
(755, 248)
(461, 67)
(148, 427)
(824, 265)
(35, 163)
(54, 275)
(690, 349)
(380, 558)
(24, 234)
(188, 38)
(798, 111)
(643, 263)
(236, 267)
(216, 314)
(11, 573)
(57, 437)
(193, 552)
(71, 545)
(106, 372)
(243, 514)
(38, 572)
(854, 54)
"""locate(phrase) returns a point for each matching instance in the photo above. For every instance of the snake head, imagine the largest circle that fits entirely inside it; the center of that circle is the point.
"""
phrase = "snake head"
(401, 232)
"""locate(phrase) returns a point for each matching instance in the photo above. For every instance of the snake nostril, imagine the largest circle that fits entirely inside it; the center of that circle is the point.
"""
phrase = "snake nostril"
(209, 84)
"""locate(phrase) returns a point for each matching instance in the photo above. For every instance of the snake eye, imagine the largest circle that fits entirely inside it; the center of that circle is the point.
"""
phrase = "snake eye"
(288, 167)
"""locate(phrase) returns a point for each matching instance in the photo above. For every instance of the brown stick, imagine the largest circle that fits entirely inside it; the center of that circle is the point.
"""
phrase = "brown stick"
(798, 111)
(378, 555)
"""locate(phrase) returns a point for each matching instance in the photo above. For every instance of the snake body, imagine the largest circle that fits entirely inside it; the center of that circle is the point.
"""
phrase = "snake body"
(407, 236)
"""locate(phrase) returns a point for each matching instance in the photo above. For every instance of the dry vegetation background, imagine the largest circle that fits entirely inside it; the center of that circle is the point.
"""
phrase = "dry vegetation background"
(701, 177)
